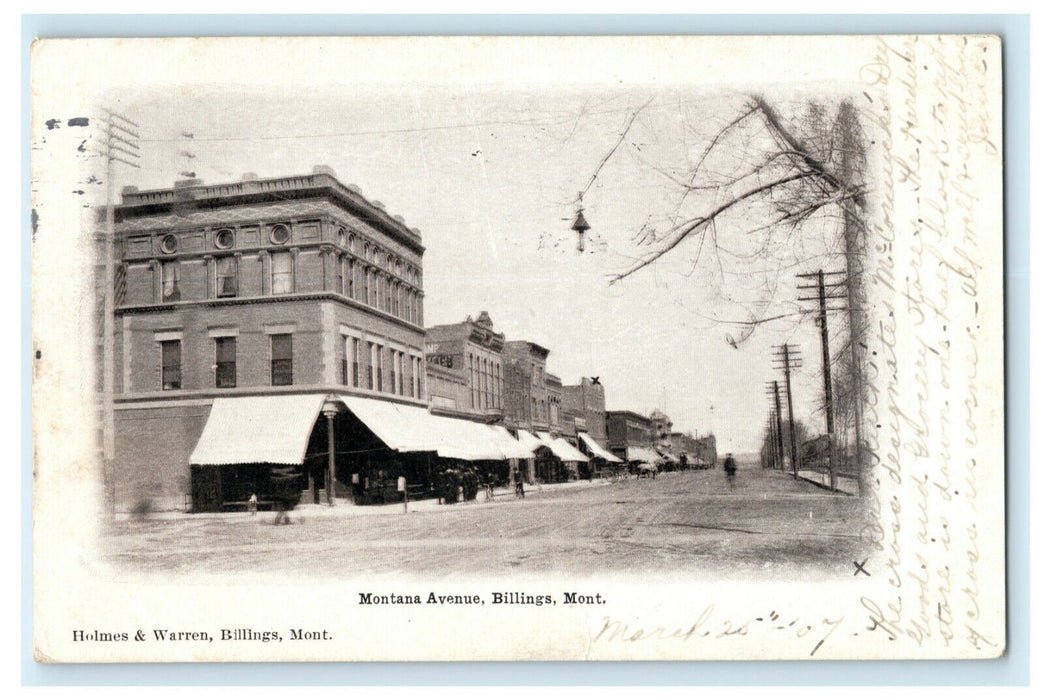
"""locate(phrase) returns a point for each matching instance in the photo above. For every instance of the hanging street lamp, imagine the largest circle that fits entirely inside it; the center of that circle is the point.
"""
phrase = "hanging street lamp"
(580, 226)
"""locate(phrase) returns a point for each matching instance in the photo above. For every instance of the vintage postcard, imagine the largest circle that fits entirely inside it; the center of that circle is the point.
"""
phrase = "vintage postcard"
(518, 348)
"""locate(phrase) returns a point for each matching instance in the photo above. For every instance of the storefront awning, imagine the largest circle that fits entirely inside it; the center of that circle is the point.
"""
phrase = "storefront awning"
(529, 441)
(667, 455)
(407, 428)
(257, 430)
(402, 428)
(562, 449)
(512, 448)
(642, 454)
(463, 439)
(596, 449)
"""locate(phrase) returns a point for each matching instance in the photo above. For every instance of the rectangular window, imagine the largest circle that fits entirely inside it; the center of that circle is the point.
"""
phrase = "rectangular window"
(227, 277)
(496, 386)
(353, 344)
(282, 359)
(225, 356)
(345, 355)
(350, 292)
(170, 352)
(402, 374)
(282, 273)
(394, 373)
(380, 368)
(339, 262)
(371, 380)
(171, 281)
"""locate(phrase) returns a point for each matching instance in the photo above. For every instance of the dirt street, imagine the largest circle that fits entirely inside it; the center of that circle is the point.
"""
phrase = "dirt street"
(691, 522)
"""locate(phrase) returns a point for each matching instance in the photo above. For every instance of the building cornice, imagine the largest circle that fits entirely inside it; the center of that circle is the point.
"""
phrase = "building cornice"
(276, 189)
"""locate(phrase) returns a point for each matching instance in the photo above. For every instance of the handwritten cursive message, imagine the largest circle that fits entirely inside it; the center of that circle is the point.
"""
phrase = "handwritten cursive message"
(934, 118)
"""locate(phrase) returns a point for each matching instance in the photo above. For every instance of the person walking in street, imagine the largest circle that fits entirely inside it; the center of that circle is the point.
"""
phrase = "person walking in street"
(520, 489)
(730, 469)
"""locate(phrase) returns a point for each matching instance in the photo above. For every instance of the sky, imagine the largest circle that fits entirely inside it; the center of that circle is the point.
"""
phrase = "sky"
(491, 178)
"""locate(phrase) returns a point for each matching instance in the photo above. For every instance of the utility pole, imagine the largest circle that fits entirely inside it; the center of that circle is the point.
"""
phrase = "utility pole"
(779, 424)
(120, 147)
(776, 424)
(770, 434)
(789, 359)
(820, 289)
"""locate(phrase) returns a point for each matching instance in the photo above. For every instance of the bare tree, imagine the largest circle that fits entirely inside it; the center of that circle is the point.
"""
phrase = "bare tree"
(777, 181)
(765, 174)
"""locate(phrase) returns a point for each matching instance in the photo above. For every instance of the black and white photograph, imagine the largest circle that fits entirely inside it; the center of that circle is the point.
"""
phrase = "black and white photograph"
(518, 348)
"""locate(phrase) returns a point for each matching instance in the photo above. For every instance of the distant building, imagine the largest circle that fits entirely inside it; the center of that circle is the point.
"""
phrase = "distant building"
(707, 450)
(680, 443)
(661, 426)
(585, 402)
(526, 396)
(630, 436)
(469, 351)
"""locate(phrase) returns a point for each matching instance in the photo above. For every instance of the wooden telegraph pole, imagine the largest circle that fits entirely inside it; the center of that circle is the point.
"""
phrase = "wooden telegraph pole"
(787, 359)
(823, 293)
(120, 147)
(779, 423)
(776, 425)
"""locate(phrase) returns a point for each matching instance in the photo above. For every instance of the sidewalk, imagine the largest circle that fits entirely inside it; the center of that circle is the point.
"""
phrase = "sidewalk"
(345, 508)
(845, 485)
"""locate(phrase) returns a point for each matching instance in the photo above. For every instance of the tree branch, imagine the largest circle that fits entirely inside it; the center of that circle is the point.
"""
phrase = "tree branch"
(623, 135)
(702, 221)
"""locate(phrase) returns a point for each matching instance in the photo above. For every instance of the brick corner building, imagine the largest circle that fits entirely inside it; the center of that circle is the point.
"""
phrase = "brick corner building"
(257, 288)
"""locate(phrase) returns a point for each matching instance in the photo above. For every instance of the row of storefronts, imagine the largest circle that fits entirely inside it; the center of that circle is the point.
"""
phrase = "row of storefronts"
(277, 450)
(269, 346)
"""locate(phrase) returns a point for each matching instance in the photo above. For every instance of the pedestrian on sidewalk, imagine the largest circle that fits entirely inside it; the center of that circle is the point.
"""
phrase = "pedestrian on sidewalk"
(730, 469)
(520, 489)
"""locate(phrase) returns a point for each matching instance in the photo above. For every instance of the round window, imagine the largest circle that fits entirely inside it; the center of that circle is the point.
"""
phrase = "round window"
(169, 244)
(225, 238)
(280, 234)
